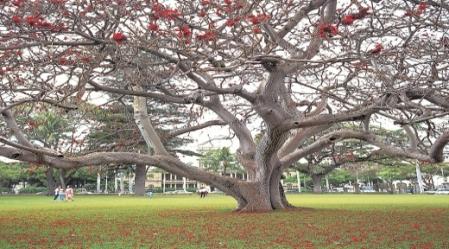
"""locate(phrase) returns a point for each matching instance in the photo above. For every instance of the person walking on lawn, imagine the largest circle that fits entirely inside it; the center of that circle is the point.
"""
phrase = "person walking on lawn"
(57, 193)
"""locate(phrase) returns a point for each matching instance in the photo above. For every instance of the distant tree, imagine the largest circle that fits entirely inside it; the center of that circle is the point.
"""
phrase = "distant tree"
(55, 130)
(219, 160)
(11, 174)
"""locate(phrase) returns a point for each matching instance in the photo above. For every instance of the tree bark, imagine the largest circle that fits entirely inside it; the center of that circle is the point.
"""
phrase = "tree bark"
(61, 178)
(316, 183)
(51, 183)
(140, 179)
(98, 182)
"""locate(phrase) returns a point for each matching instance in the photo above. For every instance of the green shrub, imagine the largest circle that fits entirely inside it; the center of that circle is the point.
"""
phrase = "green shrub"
(5, 190)
(32, 190)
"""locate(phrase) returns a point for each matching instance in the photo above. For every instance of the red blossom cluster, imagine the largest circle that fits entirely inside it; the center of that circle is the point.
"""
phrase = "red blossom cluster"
(185, 33)
(209, 35)
(119, 37)
(258, 19)
(326, 30)
(57, 1)
(418, 11)
(232, 22)
(18, 3)
(161, 12)
(37, 22)
(16, 19)
(349, 19)
(153, 26)
(63, 61)
(377, 49)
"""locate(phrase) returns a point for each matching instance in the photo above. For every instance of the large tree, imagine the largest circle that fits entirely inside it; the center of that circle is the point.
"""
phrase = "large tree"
(294, 68)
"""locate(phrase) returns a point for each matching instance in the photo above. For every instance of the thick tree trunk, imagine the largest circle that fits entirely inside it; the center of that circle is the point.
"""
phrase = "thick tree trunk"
(140, 179)
(51, 183)
(61, 178)
(254, 197)
(277, 194)
(98, 182)
(317, 183)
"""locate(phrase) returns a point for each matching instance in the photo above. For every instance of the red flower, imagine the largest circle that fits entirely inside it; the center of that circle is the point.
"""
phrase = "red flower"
(153, 27)
(44, 24)
(168, 14)
(32, 20)
(258, 18)
(18, 3)
(85, 59)
(231, 22)
(184, 31)
(415, 226)
(208, 36)
(17, 19)
(355, 239)
(205, 2)
(228, 2)
(327, 29)
(422, 6)
(257, 30)
(409, 13)
(157, 7)
(377, 49)
(361, 14)
(64, 61)
(57, 1)
(119, 37)
(347, 20)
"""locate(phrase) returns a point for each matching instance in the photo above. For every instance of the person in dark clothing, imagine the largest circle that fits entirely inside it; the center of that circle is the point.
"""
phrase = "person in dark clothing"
(57, 193)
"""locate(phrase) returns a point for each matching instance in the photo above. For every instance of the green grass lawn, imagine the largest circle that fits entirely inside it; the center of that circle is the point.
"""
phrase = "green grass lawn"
(325, 221)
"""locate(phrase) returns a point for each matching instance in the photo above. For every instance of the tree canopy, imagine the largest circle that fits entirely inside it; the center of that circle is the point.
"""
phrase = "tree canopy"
(293, 68)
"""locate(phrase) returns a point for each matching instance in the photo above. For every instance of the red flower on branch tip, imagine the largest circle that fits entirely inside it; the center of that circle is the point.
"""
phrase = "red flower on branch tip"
(347, 20)
(153, 27)
(422, 6)
(208, 36)
(418, 11)
(228, 2)
(363, 12)
(17, 19)
(32, 20)
(18, 3)
(377, 49)
(168, 14)
(119, 37)
(231, 22)
(257, 30)
(185, 33)
(257, 19)
(326, 30)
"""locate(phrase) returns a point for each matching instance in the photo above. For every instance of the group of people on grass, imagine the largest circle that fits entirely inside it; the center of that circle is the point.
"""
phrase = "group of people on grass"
(64, 194)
